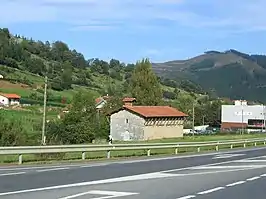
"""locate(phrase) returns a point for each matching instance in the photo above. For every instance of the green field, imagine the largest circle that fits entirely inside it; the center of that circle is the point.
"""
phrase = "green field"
(30, 119)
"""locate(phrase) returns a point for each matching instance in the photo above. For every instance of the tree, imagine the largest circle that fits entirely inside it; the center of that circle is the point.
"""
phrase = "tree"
(81, 124)
(11, 132)
(66, 78)
(145, 86)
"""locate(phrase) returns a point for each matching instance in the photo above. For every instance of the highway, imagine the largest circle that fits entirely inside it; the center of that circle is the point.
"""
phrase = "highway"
(230, 174)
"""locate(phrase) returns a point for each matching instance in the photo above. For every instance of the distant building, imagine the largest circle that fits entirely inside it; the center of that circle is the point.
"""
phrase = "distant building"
(9, 99)
(1, 76)
(242, 115)
(101, 101)
(146, 122)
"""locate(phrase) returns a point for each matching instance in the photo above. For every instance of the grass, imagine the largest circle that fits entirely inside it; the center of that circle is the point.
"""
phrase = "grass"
(62, 157)
(202, 138)
(30, 119)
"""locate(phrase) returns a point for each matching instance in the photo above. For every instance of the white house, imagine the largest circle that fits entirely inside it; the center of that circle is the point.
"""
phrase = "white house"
(1, 76)
(101, 101)
(9, 99)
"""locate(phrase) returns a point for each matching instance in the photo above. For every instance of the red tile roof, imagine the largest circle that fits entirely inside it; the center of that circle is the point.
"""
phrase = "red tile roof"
(156, 111)
(129, 99)
(99, 99)
(10, 96)
(229, 125)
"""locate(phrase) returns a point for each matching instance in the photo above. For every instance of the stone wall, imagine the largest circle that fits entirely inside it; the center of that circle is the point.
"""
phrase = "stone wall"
(125, 125)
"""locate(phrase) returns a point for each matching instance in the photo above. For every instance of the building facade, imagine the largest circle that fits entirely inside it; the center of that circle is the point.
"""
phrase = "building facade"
(243, 115)
(9, 99)
(146, 122)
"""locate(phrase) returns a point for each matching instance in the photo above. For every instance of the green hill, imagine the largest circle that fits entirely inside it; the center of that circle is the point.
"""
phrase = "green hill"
(228, 74)
(24, 63)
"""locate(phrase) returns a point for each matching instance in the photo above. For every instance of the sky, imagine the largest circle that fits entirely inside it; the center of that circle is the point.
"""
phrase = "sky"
(129, 30)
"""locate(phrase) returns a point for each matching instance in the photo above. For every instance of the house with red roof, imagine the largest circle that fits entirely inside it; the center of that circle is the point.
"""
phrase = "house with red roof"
(146, 122)
(9, 99)
(101, 101)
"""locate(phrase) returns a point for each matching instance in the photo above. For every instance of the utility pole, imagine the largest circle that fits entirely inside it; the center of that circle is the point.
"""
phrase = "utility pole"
(203, 118)
(44, 112)
(193, 120)
(242, 127)
(263, 126)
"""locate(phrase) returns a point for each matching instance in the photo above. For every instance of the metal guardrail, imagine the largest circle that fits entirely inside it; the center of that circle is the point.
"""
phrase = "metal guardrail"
(122, 147)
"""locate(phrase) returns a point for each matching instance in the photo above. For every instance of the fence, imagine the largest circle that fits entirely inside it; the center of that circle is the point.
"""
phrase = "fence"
(20, 151)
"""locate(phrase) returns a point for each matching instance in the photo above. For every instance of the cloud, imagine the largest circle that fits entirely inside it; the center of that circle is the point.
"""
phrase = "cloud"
(80, 15)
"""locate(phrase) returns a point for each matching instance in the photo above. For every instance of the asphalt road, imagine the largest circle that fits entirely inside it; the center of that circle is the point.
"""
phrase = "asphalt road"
(232, 174)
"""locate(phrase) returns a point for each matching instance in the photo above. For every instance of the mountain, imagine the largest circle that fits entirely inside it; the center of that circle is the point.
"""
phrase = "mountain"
(229, 74)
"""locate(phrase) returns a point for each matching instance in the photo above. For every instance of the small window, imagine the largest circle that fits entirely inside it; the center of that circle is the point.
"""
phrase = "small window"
(127, 121)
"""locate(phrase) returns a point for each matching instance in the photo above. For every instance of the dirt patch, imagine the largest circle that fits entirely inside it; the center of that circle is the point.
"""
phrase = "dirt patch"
(6, 84)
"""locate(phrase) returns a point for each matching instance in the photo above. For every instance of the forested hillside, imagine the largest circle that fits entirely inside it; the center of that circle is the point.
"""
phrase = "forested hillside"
(25, 62)
(229, 74)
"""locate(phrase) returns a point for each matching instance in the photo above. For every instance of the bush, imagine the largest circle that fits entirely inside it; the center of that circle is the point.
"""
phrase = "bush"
(11, 132)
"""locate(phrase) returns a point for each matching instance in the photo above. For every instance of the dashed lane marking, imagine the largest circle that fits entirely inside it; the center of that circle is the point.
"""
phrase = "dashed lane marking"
(187, 197)
(254, 178)
(55, 169)
(220, 188)
(228, 167)
(211, 190)
(222, 156)
(236, 183)
(250, 161)
(12, 174)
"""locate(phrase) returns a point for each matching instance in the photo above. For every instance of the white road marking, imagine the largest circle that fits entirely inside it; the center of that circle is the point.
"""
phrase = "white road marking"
(11, 174)
(263, 175)
(211, 190)
(106, 181)
(110, 194)
(229, 167)
(113, 194)
(26, 168)
(187, 197)
(236, 183)
(98, 165)
(215, 171)
(220, 156)
(254, 178)
(252, 161)
(55, 166)
(55, 169)
(254, 158)
(76, 195)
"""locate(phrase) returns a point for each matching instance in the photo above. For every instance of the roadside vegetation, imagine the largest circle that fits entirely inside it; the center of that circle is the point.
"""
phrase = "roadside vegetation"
(98, 156)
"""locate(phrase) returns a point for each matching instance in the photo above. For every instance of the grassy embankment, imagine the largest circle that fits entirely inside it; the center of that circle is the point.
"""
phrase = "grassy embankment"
(66, 157)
